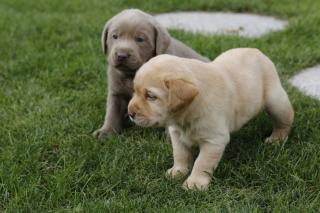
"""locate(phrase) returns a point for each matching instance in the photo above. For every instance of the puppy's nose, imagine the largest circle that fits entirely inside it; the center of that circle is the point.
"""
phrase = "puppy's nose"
(122, 56)
(132, 115)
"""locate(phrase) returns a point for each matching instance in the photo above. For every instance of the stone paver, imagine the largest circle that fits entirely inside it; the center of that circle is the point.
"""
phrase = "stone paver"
(308, 81)
(241, 24)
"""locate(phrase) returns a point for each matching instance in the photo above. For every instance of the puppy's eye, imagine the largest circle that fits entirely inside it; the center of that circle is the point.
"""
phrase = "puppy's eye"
(139, 39)
(115, 36)
(150, 96)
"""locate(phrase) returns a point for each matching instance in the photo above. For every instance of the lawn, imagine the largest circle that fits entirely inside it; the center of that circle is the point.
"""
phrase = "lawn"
(52, 96)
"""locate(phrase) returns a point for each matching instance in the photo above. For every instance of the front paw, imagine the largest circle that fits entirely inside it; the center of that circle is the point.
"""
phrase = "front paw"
(103, 133)
(176, 172)
(197, 183)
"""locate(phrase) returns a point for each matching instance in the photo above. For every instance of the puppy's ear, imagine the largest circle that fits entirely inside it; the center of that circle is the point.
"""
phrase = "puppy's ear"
(104, 36)
(181, 93)
(162, 38)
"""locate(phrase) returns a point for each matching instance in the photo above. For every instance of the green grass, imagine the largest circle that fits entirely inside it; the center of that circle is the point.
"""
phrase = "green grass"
(52, 96)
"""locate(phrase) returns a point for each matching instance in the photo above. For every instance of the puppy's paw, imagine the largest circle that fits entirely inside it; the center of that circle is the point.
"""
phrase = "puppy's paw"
(200, 183)
(274, 140)
(278, 135)
(176, 172)
(102, 133)
(271, 140)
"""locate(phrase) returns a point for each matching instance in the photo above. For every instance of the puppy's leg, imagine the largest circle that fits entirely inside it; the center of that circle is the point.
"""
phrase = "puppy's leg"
(210, 154)
(182, 156)
(116, 108)
(279, 108)
(168, 138)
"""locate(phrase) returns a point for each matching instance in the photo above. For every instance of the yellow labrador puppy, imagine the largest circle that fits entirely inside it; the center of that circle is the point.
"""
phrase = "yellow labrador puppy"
(202, 103)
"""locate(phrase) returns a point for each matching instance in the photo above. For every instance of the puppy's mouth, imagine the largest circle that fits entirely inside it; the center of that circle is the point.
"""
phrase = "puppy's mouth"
(140, 121)
(126, 69)
(128, 65)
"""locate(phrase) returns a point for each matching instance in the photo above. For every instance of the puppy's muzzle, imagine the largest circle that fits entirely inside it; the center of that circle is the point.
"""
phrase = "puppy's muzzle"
(122, 56)
(131, 111)
(132, 115)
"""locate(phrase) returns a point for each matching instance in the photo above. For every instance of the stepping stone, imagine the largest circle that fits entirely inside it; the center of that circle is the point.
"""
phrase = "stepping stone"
(308, 81)
(241, 24)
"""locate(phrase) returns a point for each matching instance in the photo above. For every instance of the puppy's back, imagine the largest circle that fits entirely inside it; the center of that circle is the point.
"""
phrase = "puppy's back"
(237, 82)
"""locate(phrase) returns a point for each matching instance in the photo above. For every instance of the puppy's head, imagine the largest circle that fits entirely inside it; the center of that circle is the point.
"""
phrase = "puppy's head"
(131, 38)
(162, 88)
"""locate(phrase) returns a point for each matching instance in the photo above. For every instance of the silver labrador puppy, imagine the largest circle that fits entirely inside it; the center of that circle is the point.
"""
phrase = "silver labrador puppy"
(130, 39)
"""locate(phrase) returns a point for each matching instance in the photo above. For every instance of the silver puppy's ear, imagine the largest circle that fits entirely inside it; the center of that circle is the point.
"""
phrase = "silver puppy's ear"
(162, 38)
(104, 36)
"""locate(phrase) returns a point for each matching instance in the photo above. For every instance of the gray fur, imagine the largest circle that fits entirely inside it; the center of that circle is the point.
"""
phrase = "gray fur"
(128, 25)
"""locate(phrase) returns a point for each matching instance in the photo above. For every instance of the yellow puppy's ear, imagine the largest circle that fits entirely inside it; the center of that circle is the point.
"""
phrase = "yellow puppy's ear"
(181, 93)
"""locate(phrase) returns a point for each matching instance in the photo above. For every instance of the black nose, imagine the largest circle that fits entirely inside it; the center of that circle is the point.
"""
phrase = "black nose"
(132, 115)
(122, 56)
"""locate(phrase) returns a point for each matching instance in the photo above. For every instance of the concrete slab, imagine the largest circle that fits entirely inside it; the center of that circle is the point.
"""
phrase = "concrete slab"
(308, 81)
(242, 24)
